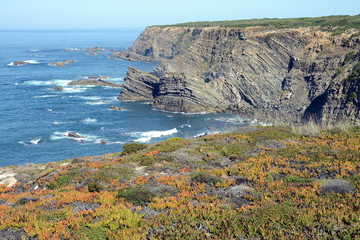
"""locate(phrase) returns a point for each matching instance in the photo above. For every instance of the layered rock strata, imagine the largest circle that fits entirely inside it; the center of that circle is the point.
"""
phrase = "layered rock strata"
(260, 72)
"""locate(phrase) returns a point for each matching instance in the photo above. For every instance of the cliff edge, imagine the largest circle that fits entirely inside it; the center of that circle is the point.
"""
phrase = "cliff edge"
(265, 72)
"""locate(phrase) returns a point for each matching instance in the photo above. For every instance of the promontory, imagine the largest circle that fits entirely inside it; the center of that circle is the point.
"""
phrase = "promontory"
(271, 69)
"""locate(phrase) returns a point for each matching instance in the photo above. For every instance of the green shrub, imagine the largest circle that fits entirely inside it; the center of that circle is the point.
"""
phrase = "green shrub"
(170, 145)
(335, 24)
(107, 173)
(130, 148)
(96, 233)
(51, 186)
(354, 75)
(62, 181)
(348, 57)
(352, 96)
(141, 158)
(94, 187)
(203, 177)
(139, 196)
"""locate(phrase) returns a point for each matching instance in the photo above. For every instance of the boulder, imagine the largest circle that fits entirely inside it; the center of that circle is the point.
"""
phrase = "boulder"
(26, 199)
(58, 88)
(73, 135)
(93, 82)
(115, 108)
(61, 63)
(339, 186)
(81, 206)
(14, 234)
(19, 63)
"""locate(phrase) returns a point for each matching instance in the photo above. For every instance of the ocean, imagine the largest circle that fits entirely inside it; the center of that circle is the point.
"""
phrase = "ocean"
(35, 119)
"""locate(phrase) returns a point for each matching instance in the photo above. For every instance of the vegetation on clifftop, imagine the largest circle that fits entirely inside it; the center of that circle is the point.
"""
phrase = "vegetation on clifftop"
(336, 24)
(268, 183)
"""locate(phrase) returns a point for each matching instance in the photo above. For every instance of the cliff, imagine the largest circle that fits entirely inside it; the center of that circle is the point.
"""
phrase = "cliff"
(263, 72)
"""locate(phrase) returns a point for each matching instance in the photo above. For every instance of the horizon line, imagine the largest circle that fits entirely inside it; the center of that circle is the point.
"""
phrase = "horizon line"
(71, 29)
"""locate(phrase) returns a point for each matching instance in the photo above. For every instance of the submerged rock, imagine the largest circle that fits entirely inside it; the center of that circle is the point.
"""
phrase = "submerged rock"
(61, 64)
(58, 88)
(19, 63)
(93, 82)
(73, 135)
(115, 108)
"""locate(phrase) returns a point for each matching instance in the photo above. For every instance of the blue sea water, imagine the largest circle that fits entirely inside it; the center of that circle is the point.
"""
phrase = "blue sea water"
(35, 118)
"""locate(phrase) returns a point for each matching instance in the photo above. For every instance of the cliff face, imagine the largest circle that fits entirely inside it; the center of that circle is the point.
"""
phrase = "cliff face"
(255, 71)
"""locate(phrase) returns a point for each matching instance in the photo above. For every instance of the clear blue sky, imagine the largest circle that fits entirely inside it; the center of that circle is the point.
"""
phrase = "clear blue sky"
(116, 14)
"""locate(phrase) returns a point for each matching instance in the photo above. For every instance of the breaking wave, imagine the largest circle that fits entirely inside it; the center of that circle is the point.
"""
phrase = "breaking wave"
(24, 62)
(147, 136)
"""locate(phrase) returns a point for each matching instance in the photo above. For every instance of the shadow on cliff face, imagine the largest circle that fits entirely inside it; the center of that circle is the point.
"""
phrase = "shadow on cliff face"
(314, 111)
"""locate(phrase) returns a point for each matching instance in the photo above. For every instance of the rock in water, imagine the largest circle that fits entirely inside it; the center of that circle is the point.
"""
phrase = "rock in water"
(73, 135)
(61, 64)
(115, 108)
(19, 63)
(93, 82)
(138, 86)
(58, 88)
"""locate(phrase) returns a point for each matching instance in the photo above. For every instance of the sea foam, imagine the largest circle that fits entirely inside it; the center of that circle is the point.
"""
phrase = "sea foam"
(89, 120)
(73, 90)
(46, 96)
(55, 82)
(96, 103)
(25, 62)
(147, 136)
(34, 141)
(84, 137)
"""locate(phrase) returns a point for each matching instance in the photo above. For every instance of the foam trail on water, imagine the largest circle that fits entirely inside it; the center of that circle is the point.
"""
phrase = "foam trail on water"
(147, 136)
(46, 96)
(25, 62)
(90, 97)
(84, 137)
(55, 82)
(73, 90)
(34, 141)
(96, 103)
(89, 120)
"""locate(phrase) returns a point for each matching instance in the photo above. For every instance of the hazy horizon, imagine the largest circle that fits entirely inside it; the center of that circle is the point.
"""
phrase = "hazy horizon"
(112, 15)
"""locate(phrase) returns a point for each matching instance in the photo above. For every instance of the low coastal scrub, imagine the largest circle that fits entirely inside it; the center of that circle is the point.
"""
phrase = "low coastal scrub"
(269, 183)
(336, 24)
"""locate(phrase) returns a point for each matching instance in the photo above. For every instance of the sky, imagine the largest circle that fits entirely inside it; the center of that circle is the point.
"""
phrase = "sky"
(119, 14)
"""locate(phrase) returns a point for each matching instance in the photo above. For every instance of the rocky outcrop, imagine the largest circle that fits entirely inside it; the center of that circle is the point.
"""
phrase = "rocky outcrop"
(341, 100)
(61, 63)
(73, 135)
(58, 88)
(138, 86)
(93, 82)
(261, 72)
(116, 108)
(19, 63)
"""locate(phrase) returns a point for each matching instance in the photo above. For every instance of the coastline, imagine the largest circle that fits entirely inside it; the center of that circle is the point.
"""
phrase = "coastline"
(229, 174)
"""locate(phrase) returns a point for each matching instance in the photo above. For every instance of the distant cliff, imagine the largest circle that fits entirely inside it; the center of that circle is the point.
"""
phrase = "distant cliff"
(264, 72)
